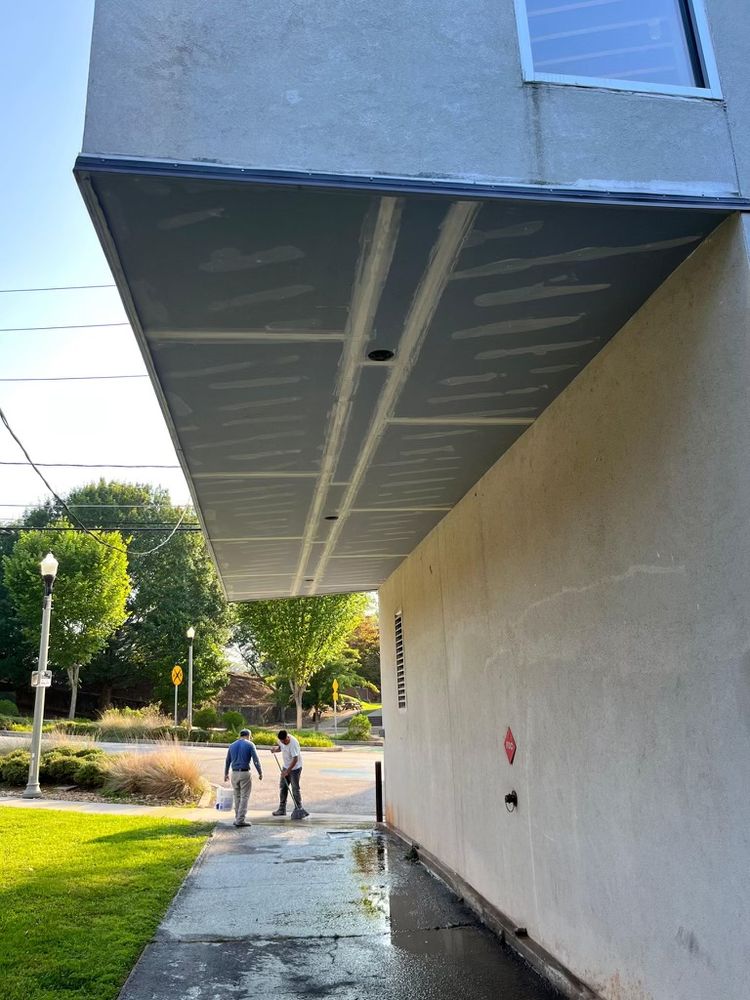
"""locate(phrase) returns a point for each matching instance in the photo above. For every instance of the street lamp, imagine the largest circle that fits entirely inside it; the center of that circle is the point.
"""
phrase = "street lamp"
(41, 678)
(190, 635)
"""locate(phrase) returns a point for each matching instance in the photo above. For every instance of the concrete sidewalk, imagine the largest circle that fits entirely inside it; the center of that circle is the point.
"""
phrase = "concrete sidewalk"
(175, 812)
(282, 912)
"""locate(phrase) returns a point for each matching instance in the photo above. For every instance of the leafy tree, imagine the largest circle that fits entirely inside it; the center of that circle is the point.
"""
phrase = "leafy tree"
(174, 587)
(89, 598)
(319, 694)
(366, 642)
(301, 634)
(17, 653)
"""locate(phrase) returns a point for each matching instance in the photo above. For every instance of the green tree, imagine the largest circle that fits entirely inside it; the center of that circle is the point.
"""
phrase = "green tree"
(319, 694)
(16, 652)
(301, 634)
(366, 642)
(174, 587)
(89, 598)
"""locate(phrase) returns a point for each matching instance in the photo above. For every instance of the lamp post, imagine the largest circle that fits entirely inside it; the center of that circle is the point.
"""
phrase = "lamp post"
(190, 635)
(40, 678)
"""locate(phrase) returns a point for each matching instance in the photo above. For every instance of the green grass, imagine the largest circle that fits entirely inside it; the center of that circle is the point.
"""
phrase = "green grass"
(370, 706)
(81, 895)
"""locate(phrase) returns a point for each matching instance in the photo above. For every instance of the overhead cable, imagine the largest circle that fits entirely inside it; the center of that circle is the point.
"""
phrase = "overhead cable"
(54, 288)
(92, 465)
(72, 378)
(72, 326)
(124, 527)
(70, 513)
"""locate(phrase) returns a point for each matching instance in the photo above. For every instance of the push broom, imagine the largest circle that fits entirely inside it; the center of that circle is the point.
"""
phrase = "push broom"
(298, 812)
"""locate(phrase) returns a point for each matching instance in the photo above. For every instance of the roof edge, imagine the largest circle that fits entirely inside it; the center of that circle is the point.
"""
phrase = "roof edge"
(417, 186)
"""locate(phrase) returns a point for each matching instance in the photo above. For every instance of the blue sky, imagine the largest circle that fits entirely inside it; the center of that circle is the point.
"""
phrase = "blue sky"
(46, 239)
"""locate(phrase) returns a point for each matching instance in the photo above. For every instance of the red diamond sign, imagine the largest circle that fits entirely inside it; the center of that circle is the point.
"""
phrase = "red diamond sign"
(510, 745)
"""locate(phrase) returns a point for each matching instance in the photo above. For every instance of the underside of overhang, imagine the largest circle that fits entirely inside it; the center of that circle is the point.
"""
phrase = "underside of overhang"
(257, 305)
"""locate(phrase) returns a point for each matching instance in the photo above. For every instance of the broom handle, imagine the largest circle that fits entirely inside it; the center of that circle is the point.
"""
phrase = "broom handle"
(288, 782)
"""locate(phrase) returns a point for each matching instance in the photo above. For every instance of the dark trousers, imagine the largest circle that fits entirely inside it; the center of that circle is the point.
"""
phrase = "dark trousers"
(284, 789)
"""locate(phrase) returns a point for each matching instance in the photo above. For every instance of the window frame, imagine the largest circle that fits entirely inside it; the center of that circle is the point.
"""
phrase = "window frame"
(698, 22)
(398, 635)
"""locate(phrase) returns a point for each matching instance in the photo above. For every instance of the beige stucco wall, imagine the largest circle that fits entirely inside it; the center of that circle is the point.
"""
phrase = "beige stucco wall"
(592, 592)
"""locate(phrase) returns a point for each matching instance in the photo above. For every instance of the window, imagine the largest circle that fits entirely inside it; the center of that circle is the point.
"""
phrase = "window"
(655, 45)
(400, 678)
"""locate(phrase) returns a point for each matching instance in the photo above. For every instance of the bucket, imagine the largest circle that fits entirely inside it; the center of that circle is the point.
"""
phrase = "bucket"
(224, 798)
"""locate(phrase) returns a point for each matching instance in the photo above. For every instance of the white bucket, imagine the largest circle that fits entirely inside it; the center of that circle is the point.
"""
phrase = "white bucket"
(224, 798)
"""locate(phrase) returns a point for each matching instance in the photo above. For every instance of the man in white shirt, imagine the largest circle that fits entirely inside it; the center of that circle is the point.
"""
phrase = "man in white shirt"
(291, 757)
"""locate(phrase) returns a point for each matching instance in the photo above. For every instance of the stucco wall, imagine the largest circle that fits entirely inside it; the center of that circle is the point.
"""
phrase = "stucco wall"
(417, 88)
(592, 593)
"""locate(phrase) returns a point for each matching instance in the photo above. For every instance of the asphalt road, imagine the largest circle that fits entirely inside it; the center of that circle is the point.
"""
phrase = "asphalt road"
(342, 781)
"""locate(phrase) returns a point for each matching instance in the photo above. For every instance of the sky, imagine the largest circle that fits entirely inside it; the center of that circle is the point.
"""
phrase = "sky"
(47, 239)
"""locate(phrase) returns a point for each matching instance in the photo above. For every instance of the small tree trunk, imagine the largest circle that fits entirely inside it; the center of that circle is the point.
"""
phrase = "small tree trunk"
(73, 673)
(316, 718)
(105, 696)
(298, 690)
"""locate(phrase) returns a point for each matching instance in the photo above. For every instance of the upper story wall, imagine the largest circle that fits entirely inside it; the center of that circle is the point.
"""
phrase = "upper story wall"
(417, 88)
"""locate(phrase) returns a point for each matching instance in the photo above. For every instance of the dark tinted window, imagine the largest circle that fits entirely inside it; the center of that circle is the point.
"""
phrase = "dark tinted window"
(648, 41)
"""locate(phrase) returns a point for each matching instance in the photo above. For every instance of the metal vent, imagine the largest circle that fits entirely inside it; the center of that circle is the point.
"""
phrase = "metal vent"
(400, 676)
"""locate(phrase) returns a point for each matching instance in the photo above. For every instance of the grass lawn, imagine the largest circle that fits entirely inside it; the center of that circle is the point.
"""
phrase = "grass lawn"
(370, 706)
(80, 896)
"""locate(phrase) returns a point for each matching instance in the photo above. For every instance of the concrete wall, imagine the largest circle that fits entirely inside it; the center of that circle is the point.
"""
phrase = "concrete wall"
(592, 593)
(417, 88)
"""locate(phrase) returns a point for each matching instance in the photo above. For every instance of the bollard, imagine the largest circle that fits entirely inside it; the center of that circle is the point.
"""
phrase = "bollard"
(378, 791)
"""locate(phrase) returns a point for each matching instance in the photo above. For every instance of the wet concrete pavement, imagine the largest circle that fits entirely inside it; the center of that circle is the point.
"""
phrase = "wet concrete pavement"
(286, 912)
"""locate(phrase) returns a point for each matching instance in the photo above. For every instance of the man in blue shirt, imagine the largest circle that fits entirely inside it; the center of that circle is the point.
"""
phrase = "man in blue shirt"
(239, 755)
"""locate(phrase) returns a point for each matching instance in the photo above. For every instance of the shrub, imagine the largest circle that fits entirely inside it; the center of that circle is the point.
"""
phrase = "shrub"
(133, 723)
(359, 728)
(168, 773)
(77, 727)
(14, 767)
(5, 722)
(205, 717)
(58, 767)
(233, 720)
(92, 772)
(8, 707)
(61, 762)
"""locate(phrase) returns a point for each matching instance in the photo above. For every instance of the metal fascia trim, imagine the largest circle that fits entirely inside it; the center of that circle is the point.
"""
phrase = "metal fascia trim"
(416, 186)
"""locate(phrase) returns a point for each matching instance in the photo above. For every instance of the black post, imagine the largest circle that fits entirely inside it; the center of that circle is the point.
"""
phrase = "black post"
(378, 791)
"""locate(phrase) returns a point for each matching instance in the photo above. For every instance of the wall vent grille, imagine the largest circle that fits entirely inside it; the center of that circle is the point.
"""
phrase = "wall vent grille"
(400, 675)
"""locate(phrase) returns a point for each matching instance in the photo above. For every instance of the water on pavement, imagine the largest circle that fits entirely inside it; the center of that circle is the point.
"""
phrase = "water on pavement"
(299, 911)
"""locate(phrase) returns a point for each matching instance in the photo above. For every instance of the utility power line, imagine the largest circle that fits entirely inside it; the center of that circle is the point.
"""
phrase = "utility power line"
(70, 513)
(72, 378)
(127, 528)
(33, 503)
(53, 288)
(90, 465)
(72, 326)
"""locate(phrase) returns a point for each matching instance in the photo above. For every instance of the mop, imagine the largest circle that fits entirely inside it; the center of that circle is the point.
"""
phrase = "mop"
(298, 812)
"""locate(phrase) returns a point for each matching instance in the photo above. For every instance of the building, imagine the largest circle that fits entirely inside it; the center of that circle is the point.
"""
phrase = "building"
(452, 301)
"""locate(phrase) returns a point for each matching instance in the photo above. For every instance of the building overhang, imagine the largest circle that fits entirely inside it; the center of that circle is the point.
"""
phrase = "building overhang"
(258, 301)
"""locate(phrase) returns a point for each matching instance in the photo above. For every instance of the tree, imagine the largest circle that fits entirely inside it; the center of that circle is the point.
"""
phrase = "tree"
(89, 597)
(366, 642)
(174, 587)
(301, 634)
(16, 652)
(319, 694)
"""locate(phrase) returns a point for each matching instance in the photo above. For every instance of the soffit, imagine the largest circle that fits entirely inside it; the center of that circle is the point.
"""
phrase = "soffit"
(256, 308)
